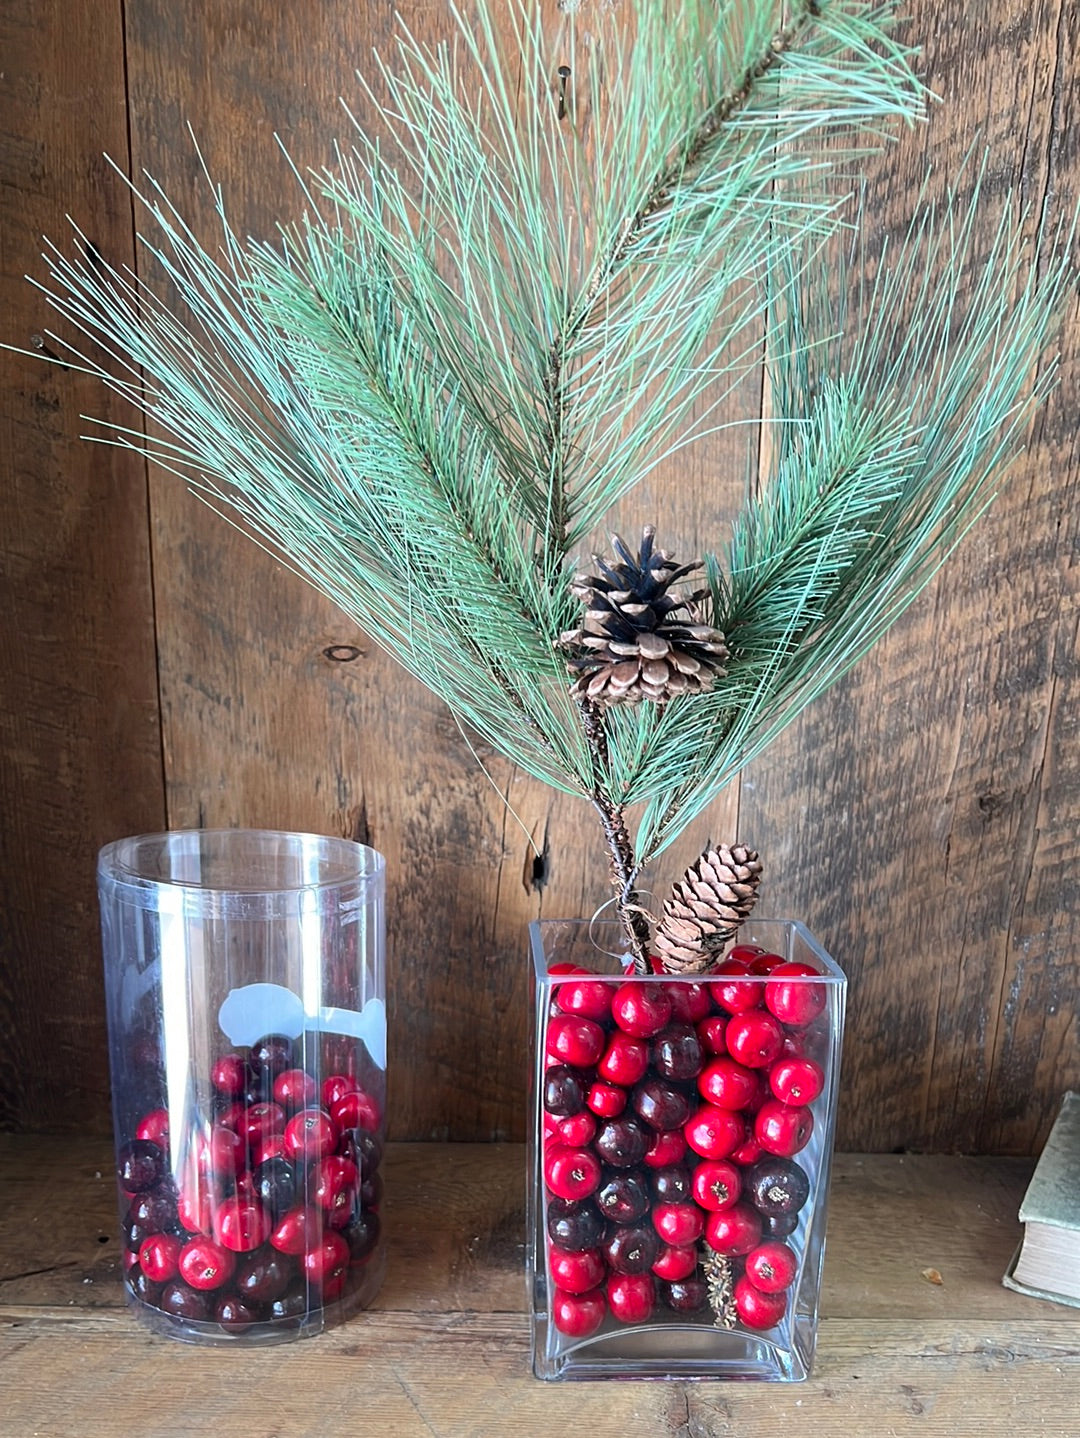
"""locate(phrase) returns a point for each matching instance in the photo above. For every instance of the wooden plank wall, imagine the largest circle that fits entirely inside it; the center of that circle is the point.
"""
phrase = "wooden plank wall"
(923, 818)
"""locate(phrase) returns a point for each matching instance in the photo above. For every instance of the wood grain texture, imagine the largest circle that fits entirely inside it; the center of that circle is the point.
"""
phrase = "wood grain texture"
(923, 818)
(80, 745)
(444, 1350)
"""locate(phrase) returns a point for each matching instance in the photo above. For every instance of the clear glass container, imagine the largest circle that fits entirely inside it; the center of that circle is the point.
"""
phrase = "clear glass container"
(679, 1157)
(245, 985)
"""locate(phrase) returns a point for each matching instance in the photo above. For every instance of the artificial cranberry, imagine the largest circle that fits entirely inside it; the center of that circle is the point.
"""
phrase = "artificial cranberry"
(754, 1038)
(371, 1191)
(714, 1132)
(311, 1134)
(678, 1223)
(607, 1100)
(631, 1297)
(240, 1225)
(266, 1146)
(733, 989)
(234, 1315)
(135, 1235)
(771, 1267)
(271, 1055)
(194, 1207)
(659, 1105)
(292, 1304)
(641, 1009)
(587, 998)
(205, 1264)
(263, 1276)
(796, 1081)
(356, 1110)
(757, 1309)
(259, 1121)
(734, 1231)
(574, 1224)
(671, 1184)
(182, 1301)
(576, 1272)
(578, 1315)
(576, 1131)
(673, 1263)
(625, 1060)
(225, 1154)
(575, 1041)
(777, 1185)
(622, 1142)
(154, 1211)
(143, 1287)
(631, 1247)
(328, 1261)
(676, 1053)
(299, 1230)
(728, 1084)
(140, 1165)
(778, 1225)
(764, 964)
(781, 1129)
(159, 1257)
(623, 1197)
(229, 1075)
(571, 1172)
(564, 1092)
(295, 1088)
(790, 995)
(365, 1149)
(748, 1152)
(276, 1185)
(689, 1001)
(335, 1087)
(685, 1295)
(710, 1033)
(716, 1185)
(155, 1127)
(567, 968)
(666, 1149)
(335, 1183)
(232, 1115)
(744, 953)
(362, 1234)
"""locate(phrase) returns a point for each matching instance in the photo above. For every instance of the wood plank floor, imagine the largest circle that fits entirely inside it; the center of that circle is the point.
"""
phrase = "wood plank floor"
(445, 1350)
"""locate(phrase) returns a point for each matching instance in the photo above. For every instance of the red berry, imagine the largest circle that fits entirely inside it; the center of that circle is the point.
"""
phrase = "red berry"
(625, 1060)
(335, 1183)
(744, 953)
(666, 1149)
(194, 1206)
(764, 964)
(792, 997)
(335, 1087)
(641, 1009)
(204, 1264)
(260, 1120)
(267, 1145)
(571, 1173)
(675, 1263)
(781, 1129)
(754, 1038)
(587, 998)
(229, 1075)
(225, 1156)
(577, 1314)
(576, 1272)
(749, 1151)
(796, 1081)
(357, 1109)
(716, 1184)
(734, 1231)
(678, 1223)
(631, 1297)
(295, 1088)
(327, 1261)
(155, 1127)
(771, 1267)
(714, 1132)
(757, 1309)
(241, 1226)
(606, 1099)
(576, 1131)
(298, 1231)
(689, 1001)
(312, 1133)
(728, 1084)
(159, 1257)
(710, 1034)
(733, 990)
(571, 1040)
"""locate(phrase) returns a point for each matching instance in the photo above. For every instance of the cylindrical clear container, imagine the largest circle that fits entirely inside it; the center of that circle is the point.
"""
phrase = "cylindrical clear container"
(679, 1156)
(245, 985)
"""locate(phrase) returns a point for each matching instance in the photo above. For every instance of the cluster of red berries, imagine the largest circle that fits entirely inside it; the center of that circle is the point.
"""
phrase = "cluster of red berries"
(672, 1113)
(274, 1209)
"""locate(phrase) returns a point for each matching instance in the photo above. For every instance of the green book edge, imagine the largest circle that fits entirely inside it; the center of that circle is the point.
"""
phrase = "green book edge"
(1053, 1195)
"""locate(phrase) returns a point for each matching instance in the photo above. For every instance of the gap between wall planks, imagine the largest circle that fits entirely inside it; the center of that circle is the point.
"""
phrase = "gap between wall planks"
(922, 819)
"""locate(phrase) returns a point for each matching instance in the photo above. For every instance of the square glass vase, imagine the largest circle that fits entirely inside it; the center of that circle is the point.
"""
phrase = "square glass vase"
(679, 1153)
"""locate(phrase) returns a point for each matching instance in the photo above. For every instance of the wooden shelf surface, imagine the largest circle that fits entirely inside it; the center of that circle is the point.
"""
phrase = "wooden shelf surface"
(445, 1349)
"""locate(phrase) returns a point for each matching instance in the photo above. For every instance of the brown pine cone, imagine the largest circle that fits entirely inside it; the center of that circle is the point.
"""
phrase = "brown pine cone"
(706, 907)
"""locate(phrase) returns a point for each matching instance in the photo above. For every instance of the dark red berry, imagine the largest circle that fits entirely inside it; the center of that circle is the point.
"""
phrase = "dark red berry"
(660, 1105)
(777, 1185)
(154, 1211)
(292, 1305)
(631, 1247)
(641, 1009)
(574, 1225)
(676, 1053)
(263, 1276)
(564, 1091)
(362, 1235)
(711, 1033)
(622, 1142)
(690, 1001)
(578, 1315)
(277, 1186)
(757, 1309)
(631, 1297)
(778, 1225)
(140, 1165)
(234, 1315)
(671, 1184)
(685, 1295)
(182, 1301)
(622, 1197)
(142, 1287)
(271, 1055)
